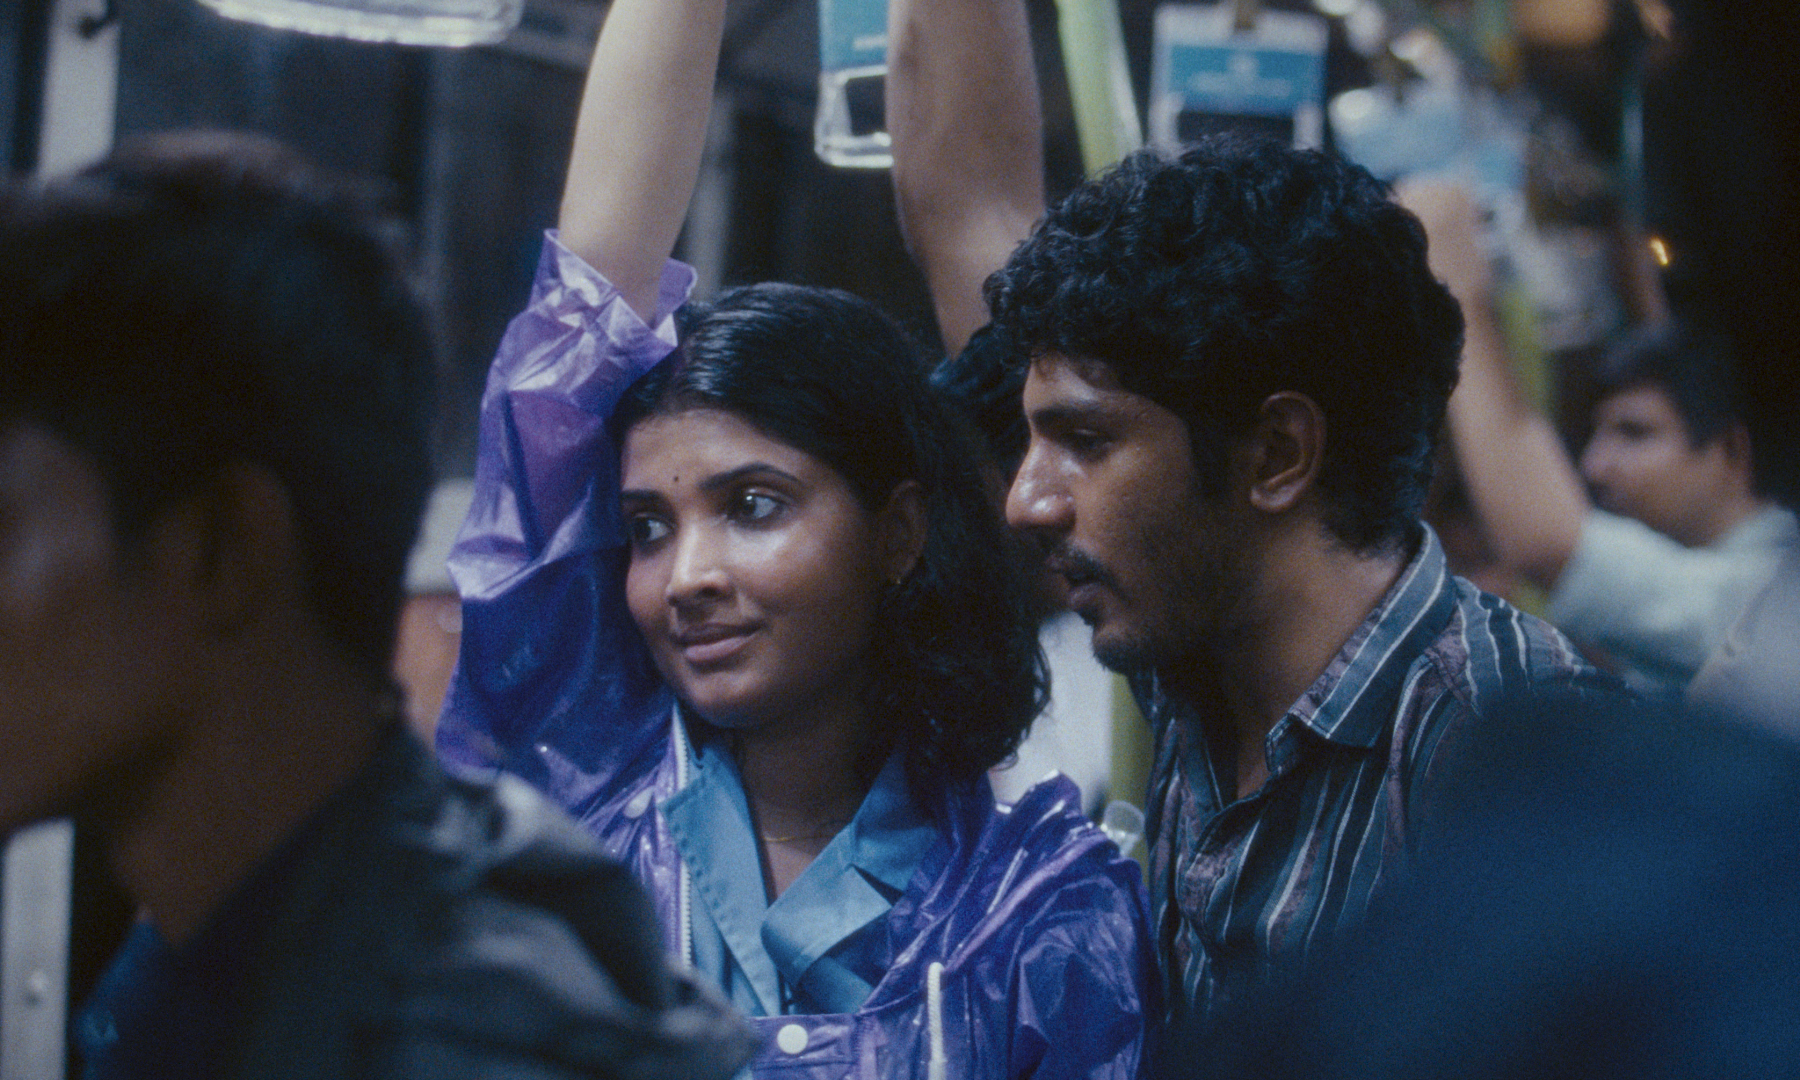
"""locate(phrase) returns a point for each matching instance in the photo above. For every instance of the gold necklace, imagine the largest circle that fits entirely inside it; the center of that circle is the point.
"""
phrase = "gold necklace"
(830, 828)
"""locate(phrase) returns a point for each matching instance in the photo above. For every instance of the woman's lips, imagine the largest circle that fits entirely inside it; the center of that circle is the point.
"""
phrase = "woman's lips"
(712, 644)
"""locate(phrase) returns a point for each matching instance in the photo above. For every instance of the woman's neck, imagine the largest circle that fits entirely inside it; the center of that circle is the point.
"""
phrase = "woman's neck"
(804, 782)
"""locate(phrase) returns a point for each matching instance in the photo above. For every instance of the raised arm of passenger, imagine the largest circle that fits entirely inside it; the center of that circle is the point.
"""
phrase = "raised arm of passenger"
(639, 139)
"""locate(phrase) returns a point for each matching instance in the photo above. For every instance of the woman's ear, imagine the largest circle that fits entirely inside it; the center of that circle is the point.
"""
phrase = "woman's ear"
(900, 530)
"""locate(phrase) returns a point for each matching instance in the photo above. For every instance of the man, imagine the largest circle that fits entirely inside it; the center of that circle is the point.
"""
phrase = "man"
(214, 411)
(1668, 446)
(1634, 889)
(1655, 568)
(1239, 361)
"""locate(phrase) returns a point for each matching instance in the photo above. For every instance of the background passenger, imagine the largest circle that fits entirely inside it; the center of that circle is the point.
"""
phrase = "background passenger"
(734, 593)
(1657, 572)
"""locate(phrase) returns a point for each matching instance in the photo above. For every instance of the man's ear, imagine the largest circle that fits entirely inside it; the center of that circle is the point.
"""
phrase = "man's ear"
(228, 549)
(1287, 447)
(901, 526)
(1736, 442)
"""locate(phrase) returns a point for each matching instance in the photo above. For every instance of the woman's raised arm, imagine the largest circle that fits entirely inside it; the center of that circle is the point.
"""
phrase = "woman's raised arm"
(639, 139)
(553, 682)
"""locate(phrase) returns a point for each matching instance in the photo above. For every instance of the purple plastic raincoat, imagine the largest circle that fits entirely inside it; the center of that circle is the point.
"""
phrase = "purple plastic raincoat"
(1020, 947)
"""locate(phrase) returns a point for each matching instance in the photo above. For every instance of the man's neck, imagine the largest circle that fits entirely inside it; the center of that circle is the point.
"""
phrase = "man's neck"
(259, 757)
(1310, 596)
(1730, 513)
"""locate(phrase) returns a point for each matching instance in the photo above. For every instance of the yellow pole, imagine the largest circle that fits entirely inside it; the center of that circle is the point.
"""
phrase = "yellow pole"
(1106, 114)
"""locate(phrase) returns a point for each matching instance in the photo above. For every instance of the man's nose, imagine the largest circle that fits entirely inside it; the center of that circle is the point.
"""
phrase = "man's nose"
(1039, 500)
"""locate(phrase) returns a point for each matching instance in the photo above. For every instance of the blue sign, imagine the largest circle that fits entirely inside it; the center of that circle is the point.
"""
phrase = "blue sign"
(852, 34)
(1270, 76)
(1245, 79)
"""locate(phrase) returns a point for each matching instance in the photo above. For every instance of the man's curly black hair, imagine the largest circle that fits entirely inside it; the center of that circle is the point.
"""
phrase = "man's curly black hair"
(1242, 268)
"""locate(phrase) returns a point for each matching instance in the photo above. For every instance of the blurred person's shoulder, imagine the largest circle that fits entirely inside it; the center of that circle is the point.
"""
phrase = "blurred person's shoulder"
(1755, 673)
(1607, 891)
(466, 928)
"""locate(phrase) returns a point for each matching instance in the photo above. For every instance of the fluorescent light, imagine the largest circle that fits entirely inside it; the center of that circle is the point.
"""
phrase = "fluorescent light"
(401, 22)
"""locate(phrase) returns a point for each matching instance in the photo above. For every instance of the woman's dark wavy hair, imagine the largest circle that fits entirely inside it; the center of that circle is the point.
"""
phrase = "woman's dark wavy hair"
(957, 666)
(1239, 269)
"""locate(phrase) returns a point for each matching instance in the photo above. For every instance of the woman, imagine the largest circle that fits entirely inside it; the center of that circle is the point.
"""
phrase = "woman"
(743, 607)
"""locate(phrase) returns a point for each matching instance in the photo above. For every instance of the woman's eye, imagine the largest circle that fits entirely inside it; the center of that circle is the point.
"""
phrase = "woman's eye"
(754, 506)
(644, 530)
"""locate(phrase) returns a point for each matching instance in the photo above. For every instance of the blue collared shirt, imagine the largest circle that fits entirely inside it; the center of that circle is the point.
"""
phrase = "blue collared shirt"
(820, 946)
(1242, 887)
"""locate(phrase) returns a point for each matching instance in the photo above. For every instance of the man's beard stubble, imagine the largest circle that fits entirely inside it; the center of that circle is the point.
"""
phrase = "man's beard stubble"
(1198, 611)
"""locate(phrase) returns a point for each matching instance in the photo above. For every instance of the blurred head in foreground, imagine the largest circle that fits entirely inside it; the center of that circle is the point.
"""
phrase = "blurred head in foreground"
(214, 415)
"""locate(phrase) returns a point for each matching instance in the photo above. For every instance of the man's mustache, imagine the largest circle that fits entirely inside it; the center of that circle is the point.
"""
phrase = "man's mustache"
(1077, 566)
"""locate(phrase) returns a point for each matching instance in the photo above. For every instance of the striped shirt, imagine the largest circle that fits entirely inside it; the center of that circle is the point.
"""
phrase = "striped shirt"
(1241, 887)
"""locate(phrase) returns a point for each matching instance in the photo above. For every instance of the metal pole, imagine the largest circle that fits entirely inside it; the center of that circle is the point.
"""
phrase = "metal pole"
(35, 884)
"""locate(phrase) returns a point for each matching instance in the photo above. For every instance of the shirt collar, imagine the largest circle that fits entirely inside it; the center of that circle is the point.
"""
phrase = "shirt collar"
(709, 820)
(856, 879)
(890, 833)
(1349, 703)
(853, 881)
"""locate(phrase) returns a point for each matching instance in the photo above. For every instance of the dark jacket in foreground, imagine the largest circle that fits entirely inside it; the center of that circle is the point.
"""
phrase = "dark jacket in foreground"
(431, 927)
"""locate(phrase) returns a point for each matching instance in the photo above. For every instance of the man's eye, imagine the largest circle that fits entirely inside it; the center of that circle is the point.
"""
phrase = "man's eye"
(645, 530)
(1084, 442)
(754, 506)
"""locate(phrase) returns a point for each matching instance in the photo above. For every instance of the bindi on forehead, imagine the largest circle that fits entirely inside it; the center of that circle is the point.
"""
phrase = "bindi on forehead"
(709, 452)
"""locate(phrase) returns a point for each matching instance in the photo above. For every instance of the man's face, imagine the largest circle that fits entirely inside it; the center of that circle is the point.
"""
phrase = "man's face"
(1640, 463)
(83, 652)
(1108, 486)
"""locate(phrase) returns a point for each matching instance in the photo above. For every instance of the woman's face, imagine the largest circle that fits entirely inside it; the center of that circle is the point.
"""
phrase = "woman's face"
(755, 572)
